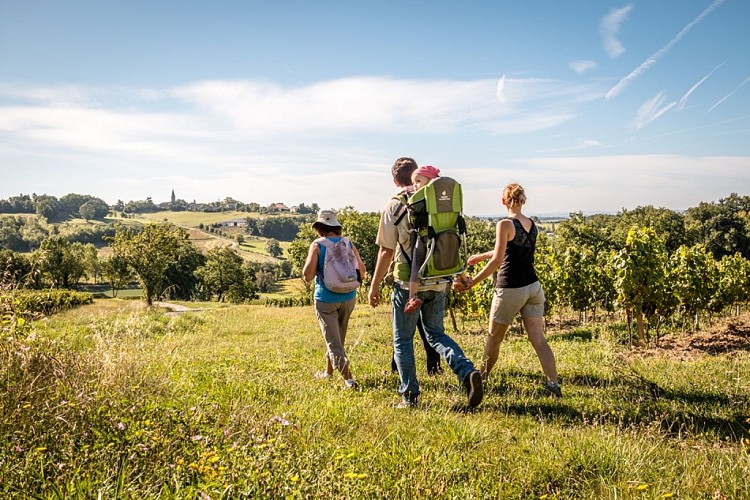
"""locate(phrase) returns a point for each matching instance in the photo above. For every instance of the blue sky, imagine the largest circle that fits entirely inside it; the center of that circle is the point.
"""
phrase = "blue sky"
(591, 105)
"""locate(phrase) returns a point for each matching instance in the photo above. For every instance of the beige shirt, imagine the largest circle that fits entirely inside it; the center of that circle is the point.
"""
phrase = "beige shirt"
(390, 235)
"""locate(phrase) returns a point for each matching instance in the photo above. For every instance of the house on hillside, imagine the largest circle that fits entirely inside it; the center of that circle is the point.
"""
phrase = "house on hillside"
(233, 223)
(278, 207)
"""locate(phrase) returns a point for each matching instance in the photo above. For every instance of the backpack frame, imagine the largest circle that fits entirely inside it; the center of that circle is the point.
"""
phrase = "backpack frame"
(435, 214)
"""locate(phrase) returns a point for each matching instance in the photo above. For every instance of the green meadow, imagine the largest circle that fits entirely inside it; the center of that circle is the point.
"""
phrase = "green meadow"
(114, 400)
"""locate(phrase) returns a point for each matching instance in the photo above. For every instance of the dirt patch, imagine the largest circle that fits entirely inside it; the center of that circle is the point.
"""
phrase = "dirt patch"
(729, 336)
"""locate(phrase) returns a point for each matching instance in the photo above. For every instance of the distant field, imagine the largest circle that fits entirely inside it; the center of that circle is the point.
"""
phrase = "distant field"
(194, 219)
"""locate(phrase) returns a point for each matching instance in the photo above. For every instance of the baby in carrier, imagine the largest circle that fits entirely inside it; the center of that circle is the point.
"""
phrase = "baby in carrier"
(419, 179)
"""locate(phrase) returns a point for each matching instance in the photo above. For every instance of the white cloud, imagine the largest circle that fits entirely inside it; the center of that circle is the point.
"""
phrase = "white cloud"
(738, 87)
(653, 58)
(683, 100)
(651, 110)
(500, 91)
(581, 67)
(609, 27)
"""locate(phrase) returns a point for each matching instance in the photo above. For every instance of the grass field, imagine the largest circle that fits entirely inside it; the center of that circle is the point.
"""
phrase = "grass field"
(116, 401)
(194, 219)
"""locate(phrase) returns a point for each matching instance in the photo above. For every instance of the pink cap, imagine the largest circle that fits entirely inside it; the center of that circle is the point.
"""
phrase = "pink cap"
(428, 171)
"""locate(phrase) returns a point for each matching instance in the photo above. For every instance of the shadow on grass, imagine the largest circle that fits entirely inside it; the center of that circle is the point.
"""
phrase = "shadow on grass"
(630, 401)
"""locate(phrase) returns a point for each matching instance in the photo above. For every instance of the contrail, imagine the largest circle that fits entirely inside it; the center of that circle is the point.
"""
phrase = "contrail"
(684, 99)
(729, 94)
(657, 55)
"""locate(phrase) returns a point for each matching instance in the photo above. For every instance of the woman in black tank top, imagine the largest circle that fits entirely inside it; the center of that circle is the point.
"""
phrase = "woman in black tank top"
(517, 288)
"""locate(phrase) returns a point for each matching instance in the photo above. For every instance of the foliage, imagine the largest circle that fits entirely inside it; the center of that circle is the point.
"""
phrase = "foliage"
(61, 263)
(723, 227)
(362, 229)
(180, 278)
(298, 249)
(116, 272)
(27, 304)
(273, 248)
(279, 228)
(641, 272)
(225, 276)
(149, 253)
(694, 280)
(734, 281)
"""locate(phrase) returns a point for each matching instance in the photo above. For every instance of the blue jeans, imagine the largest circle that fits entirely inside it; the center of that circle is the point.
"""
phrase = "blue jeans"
(404, 326)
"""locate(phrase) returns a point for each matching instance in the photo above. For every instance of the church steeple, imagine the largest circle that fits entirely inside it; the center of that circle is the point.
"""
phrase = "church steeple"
(173, 197)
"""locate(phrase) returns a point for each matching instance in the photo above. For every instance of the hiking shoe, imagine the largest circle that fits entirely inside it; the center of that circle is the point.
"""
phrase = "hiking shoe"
(553, 388)
(351, 384)
(474, 389)
(412, 305)
(408, 403)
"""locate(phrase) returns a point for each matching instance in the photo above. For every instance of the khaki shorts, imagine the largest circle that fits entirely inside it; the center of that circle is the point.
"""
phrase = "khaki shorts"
(507, 302)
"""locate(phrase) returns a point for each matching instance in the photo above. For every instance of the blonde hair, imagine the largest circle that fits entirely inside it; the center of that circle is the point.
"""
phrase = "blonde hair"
(514, 195)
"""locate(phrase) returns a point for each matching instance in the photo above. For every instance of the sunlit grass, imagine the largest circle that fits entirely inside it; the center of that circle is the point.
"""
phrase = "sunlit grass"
(120, 401)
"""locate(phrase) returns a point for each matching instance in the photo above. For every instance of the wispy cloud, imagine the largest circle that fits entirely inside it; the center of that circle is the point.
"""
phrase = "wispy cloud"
(652, 109)
(610, 27)
(500, 92)
(738, 87)
(652, 59)
(581, 67)
(683, 100)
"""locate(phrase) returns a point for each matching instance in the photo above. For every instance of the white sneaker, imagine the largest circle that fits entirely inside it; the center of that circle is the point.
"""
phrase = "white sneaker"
(351, 384)
(323, 375)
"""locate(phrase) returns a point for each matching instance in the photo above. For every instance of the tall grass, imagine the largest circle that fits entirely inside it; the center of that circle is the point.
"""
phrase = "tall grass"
(117, 401)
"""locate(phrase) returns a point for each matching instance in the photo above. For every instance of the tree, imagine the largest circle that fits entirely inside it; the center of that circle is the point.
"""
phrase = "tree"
(61, 262)
(224, 275)
(15, 269)
(362, 229)
(87, 210)
(149, 253)
(115, 270)
(721, 228)
(180, 278)
(47, 206)
(273, 248)
(297, 252)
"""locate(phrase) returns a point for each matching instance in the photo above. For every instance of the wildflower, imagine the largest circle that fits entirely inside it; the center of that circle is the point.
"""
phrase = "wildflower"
(354, 475)
(197, 437)
(294, 478)
(284, 422)
(120, 426)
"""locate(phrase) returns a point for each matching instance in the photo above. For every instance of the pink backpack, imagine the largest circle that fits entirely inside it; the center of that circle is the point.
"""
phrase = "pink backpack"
(340, 268)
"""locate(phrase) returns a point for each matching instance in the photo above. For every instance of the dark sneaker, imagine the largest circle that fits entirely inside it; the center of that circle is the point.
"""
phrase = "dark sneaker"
(474, 389)
(553, 388)
(408, 403)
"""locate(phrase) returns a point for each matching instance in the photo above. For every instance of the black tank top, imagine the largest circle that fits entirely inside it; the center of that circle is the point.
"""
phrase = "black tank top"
(517, 269)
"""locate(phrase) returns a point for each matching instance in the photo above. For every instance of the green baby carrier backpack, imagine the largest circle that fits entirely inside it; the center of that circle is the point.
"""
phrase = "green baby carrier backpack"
(435, 214)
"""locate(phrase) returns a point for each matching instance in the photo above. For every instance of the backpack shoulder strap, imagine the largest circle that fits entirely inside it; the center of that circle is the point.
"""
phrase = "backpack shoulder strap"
(403, 200)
